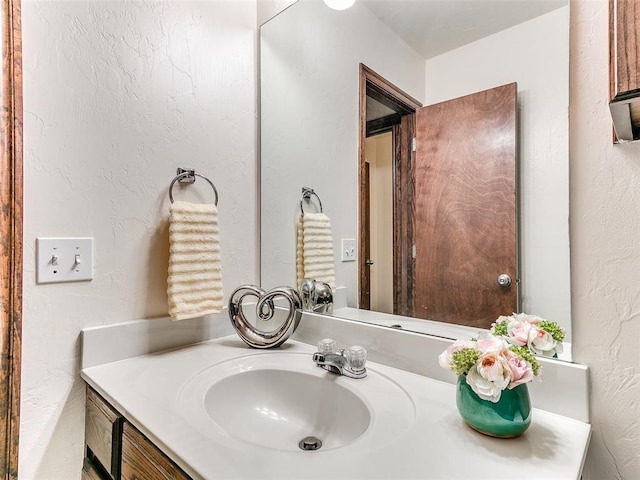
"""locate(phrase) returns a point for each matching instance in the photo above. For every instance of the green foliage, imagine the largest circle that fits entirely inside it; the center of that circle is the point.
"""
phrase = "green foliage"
(500, 328)
(553, 329)
(463, 360)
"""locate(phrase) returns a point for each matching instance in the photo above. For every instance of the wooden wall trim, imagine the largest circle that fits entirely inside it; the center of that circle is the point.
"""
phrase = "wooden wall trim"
(11, 228)
(362, 135)
(403, 216)
(389, 89)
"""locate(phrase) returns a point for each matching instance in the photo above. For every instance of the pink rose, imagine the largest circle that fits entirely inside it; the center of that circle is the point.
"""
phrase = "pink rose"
(521, 371)
(487, 343)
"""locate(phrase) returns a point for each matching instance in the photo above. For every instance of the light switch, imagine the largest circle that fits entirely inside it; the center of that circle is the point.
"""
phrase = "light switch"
(64, 259)
(348, 250)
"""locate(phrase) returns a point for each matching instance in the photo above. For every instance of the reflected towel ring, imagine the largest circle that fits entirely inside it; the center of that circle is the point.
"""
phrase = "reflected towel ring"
(306, 194)
(189, 176)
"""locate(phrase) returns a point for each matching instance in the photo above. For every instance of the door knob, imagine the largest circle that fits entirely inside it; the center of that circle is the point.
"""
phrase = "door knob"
(504, 280)
(369, 262)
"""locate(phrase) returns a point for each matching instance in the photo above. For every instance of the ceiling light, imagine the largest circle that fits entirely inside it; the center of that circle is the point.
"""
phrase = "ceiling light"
(339, 4)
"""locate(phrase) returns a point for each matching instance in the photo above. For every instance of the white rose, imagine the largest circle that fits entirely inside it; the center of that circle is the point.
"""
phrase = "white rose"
(489, 377)
(541, 342)
(444, 359)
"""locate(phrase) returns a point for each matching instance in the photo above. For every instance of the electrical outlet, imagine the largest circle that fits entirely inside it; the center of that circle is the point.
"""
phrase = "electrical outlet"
(64, 259)
(348, 250)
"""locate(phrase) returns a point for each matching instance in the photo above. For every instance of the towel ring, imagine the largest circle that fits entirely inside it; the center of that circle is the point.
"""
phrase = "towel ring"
(306, 194)
(189, 176)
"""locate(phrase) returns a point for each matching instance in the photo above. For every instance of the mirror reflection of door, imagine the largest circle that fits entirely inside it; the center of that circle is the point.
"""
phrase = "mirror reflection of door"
(465, 209)
(379, 159)
(441, 210)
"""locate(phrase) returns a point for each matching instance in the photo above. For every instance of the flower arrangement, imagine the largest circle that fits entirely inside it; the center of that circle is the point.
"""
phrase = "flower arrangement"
(541, 336)
(490, 364)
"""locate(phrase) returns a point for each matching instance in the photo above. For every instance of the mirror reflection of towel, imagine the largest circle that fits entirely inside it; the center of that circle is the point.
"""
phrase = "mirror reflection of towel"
(314, 249)
(194, 285)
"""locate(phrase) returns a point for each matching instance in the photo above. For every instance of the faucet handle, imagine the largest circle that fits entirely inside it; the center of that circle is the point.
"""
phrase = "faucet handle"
(327, 345)
(357, 357)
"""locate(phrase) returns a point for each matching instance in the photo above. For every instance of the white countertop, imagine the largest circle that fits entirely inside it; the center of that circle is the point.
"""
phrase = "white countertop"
(146, 390)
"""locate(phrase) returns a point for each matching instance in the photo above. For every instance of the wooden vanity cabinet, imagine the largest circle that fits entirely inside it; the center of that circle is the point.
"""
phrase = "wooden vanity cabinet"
(116, 450)
(141, 459)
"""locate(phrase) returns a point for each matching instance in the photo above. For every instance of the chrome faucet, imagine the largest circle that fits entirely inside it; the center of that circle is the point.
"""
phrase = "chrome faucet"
(349, 363)
(317, 297)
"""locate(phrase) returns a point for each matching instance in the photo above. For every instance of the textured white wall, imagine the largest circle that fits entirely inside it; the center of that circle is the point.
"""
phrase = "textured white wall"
(87, 117)
(116, 96)
(605, 252)
(541, 70)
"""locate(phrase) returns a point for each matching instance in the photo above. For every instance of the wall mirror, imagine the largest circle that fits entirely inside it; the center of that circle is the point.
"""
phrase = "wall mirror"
(434, 51)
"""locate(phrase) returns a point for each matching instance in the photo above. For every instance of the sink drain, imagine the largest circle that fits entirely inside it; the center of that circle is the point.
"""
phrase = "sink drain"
(310, 443)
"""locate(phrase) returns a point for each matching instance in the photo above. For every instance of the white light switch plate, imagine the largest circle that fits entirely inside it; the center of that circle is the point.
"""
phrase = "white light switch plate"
(348, 250)
(64, 259)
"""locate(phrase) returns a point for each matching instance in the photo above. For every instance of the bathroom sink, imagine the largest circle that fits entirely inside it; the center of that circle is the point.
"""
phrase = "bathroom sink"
(283, 401)
(278, 408)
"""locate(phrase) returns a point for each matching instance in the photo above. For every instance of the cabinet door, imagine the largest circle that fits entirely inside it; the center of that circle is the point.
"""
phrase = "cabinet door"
(141, 460)
(102, 434)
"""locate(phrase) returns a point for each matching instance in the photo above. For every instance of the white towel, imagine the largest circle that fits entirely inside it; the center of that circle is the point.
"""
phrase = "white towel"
(194, 285)
(314, 249)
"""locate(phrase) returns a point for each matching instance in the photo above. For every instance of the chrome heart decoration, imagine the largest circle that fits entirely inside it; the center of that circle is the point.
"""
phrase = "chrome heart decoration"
(265, 309)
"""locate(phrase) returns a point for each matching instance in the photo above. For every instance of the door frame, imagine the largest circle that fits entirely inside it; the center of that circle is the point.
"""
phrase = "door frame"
(403, 133)
(11, 235)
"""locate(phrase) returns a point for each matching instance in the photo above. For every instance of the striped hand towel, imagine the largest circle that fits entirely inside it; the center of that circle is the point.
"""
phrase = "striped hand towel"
(195, 280)
(314, 249)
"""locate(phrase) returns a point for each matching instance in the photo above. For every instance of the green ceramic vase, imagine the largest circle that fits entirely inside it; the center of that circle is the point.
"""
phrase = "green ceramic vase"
(508, 417)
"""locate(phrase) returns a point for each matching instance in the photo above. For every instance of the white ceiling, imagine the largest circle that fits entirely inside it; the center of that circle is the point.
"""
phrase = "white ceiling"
(433, 27)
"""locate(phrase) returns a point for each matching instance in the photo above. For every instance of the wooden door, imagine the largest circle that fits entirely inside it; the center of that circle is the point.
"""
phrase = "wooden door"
(465, 208)
(365, 270)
